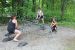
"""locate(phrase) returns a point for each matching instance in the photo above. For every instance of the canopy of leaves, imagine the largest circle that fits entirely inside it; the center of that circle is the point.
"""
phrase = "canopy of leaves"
(61, 9)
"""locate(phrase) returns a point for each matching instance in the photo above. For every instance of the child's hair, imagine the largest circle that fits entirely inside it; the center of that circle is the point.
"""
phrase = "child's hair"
(12, 17)
(53, 19)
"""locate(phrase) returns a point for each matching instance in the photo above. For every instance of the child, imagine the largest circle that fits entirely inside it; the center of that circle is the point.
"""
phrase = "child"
(53, 25)
(40, 15)
(13, 27)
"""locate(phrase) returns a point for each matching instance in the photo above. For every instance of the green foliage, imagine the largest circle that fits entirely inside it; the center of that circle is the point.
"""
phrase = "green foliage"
(67, 24)
(4, 20)
(63, 10)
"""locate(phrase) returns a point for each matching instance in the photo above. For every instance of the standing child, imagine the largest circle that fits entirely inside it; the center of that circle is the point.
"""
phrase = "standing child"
(40, 15)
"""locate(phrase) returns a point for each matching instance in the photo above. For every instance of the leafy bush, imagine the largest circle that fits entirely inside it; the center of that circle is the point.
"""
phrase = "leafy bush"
(4, 20)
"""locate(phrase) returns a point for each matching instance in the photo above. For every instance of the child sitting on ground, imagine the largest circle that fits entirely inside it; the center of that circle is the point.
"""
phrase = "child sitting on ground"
(53, 25)
(13, 27)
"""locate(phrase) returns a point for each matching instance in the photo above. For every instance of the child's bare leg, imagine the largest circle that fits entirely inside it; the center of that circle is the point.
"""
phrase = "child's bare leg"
(42, 20)
(18, 33)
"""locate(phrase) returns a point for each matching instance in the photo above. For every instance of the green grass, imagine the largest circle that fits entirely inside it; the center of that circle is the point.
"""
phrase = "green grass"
(67, 24)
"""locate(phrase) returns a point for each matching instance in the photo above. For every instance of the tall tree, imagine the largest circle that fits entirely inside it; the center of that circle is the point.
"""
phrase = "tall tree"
(3, 3)
(34, 6)
(63, 6)
(19, 8)
(14, 7)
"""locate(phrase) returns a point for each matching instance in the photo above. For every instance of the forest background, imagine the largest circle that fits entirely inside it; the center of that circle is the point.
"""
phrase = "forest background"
(63, 10)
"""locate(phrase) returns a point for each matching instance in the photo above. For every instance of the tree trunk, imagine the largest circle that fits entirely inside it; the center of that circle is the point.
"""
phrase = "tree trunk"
(19, 8)
(14, 9)
(34, 6)
(3, 2)
(63, 6)
(52, 4)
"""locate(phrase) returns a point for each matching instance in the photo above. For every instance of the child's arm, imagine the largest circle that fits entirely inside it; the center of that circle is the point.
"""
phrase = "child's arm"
(16, 24)
(55, 23)
(51, 24)
(37, 16)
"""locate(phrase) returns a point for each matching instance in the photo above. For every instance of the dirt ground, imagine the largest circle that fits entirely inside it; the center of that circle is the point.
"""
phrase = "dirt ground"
(37, 39)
